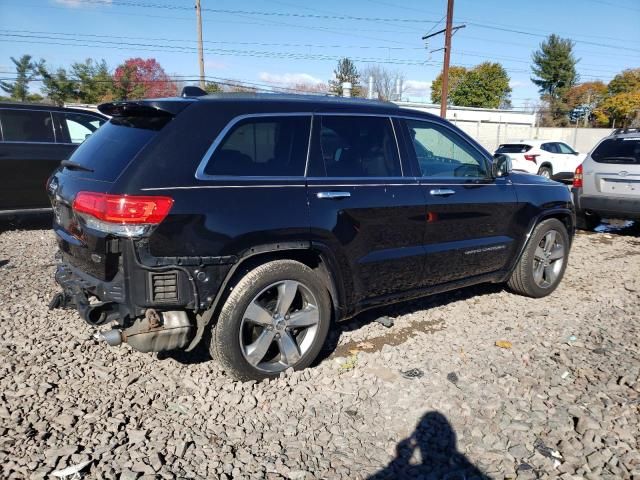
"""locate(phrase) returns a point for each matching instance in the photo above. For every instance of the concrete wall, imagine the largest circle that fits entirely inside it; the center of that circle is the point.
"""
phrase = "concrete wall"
(491, 127)
(475, 114)
(490, 135)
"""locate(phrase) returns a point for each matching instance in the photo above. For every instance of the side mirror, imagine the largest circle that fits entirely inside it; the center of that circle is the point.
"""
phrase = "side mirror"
(501, 166)
(576, 153)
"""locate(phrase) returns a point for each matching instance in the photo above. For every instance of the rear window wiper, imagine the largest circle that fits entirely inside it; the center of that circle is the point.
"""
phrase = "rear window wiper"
(75, 166)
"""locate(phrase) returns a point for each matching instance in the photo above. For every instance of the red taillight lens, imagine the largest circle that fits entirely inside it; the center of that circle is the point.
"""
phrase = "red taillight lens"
(577, 177)
(123, 209)
(531, 158)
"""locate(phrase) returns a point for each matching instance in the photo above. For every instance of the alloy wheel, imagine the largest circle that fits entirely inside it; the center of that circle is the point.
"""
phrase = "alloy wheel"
(548, 259)
(279, 326)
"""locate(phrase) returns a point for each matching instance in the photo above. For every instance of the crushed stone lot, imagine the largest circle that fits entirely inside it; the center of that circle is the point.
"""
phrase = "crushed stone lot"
(478, 383)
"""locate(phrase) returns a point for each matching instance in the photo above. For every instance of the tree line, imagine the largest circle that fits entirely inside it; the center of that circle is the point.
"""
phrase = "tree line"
(564, 99)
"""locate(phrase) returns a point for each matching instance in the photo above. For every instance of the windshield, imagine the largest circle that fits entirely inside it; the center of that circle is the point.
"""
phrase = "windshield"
(107, 152)
(513, 148)
(618, 150)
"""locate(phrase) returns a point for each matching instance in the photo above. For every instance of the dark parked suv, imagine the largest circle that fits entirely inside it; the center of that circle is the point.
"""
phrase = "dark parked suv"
(251, 222)
(34, 139)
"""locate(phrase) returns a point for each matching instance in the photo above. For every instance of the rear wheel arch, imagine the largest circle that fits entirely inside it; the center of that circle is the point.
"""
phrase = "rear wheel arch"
(316, 257)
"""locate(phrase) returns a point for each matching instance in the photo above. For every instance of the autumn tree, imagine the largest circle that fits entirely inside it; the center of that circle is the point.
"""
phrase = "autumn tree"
(622, 109)
(627, 81)
(345, 71)
(456, 74)
(139, 78)
(26, 70)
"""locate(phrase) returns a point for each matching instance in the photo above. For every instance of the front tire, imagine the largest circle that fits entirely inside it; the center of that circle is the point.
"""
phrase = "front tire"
(276, 317)
(543, 262)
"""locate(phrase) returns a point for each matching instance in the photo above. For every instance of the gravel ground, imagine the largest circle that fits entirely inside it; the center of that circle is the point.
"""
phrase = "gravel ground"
(431, 397)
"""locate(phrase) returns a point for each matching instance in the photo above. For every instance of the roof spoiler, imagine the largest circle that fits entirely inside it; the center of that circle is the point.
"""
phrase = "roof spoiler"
(165, 107)
(191, 91)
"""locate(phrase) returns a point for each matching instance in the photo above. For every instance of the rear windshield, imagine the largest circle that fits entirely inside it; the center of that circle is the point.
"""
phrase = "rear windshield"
(513, 148)
(618, 150)
(108, 151)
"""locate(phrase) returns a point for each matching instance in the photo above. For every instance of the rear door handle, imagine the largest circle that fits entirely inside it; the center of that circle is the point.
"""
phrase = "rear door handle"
(333, 195)
(442, 192)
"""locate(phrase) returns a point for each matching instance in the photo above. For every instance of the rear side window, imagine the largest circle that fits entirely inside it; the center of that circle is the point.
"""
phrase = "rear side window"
(565, 149)
(618, 150)
(513, 148)
(550, 147)
(263, 146)
(353, 146)
(107, 152)
(27, 126)
(76, 127)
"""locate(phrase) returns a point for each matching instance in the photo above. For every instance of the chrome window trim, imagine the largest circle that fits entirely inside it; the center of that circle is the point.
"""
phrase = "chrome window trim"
(200, 175)
(40, 143)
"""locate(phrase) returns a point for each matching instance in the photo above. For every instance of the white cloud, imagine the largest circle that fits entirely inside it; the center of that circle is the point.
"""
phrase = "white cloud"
(288, 78)
(417, 87)
(516, 84)
(83, 3)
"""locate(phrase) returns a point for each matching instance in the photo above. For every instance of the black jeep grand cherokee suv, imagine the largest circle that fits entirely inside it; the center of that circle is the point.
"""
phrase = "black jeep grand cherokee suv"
(253, 221)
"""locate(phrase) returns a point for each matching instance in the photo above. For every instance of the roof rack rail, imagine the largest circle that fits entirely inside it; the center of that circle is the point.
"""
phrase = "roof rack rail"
(618, 131)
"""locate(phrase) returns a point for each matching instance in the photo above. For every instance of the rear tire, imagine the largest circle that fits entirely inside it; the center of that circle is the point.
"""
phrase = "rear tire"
(545, 172)
(276, 317)
(543, 262)
(585, 221)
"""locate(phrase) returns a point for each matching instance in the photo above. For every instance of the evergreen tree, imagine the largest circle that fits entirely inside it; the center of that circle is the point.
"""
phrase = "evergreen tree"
(554, 70)
(345, 71)
(26, 71)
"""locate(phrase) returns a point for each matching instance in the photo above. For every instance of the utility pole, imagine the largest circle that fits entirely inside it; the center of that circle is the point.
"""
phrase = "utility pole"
(448, 31)
(447, 58)
(200, 49)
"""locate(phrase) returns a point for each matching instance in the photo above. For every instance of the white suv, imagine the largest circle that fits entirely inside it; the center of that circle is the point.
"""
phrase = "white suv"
(555, 160)
(607, 184)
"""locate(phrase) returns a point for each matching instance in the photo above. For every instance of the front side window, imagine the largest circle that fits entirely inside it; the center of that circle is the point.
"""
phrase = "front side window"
(27, 126)
(442, 153)
(550, 147)
(264, 146)
(358, 146)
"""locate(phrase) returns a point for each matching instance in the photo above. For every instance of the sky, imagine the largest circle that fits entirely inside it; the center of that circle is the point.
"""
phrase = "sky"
(278, 43)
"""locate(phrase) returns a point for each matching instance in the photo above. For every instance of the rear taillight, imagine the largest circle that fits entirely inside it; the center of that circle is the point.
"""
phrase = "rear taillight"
(577, 177)
(125, 215)
(531, 158)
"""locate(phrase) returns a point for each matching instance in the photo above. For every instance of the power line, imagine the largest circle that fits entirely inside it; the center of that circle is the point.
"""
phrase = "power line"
(57, 35)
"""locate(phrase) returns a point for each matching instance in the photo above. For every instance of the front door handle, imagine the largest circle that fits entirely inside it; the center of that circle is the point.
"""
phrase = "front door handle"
(333, 195)
(442, 192)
